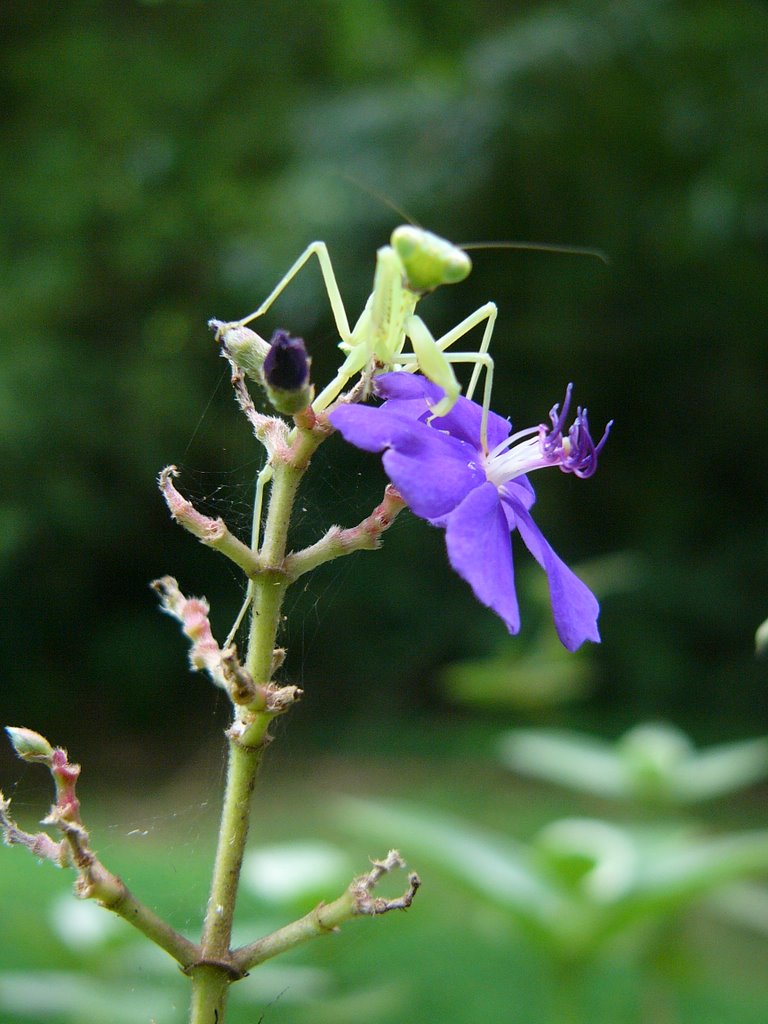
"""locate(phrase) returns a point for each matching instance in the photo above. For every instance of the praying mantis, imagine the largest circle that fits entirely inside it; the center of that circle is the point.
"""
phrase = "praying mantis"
(415, 263)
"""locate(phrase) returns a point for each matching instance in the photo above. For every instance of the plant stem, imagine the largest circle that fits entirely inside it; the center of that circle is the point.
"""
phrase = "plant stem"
(214, 973)
(326, 917)
(210, 988)
(95, 881)
(233, 832)
(366, 536)
(323, 920)
(155, 928)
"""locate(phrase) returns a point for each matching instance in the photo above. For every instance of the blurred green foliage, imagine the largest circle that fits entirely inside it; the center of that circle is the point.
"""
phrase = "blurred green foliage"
(654, 765)
(165, 162)
(615, 894)
(461, 954)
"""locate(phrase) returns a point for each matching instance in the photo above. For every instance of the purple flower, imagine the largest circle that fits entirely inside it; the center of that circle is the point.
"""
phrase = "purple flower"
(478, 492)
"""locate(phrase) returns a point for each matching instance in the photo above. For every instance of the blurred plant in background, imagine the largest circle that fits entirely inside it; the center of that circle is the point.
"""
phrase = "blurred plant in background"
(597, 893)
(654, 765)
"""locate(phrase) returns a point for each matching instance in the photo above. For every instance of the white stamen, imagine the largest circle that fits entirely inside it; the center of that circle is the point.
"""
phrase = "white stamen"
(517, 456)
(503, 466)
(513, 439)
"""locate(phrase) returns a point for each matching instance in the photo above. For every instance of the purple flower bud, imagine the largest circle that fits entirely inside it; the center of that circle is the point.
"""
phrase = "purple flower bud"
(287, 364)
(286, 373)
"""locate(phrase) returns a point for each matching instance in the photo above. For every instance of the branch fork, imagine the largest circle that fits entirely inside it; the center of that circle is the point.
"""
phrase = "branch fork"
(338, 541)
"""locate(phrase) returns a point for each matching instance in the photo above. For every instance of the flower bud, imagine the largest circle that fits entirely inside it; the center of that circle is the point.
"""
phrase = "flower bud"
(30, 746)
(246, 348)
(286, 374)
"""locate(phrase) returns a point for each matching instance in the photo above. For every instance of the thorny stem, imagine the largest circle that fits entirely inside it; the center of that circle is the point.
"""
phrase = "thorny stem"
(212, 532)
(242, 768)
(97, 882)
(211, 964)
(271, 584)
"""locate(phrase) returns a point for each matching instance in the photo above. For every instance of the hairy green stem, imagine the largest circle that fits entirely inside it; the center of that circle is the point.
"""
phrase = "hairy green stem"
(323, 920)
(214, 533)
(358, 900)
(155, 928)
(214, 973)
(210, 988)
(242, 768)
(95, 881)
(366, 536)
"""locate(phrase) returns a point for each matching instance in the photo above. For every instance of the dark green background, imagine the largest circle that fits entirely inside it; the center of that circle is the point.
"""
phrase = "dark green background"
(165, 162)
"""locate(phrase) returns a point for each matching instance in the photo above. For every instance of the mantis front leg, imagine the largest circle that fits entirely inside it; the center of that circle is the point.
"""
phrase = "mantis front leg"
(429, 355)
(320, 250)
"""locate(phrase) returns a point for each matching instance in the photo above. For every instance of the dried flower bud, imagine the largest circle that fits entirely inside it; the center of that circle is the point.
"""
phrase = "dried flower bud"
(245, 347)
(30, 746)
(286, 374)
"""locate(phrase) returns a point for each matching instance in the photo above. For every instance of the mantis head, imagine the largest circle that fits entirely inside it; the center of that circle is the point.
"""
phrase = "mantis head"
(428, 260)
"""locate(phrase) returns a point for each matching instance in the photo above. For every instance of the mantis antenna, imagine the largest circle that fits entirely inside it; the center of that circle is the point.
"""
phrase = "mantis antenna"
(563, 250)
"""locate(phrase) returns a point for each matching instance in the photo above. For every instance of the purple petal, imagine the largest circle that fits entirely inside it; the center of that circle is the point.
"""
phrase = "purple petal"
(480, 550)
(464, 419)
(433, 478)
(574, 606)
(409, 408)
(432, 471)
(370, 428)
(407, 385)
(518, 490)
(408, 394)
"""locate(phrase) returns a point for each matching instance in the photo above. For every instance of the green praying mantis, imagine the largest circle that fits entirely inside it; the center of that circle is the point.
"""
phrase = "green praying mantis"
(415, 263)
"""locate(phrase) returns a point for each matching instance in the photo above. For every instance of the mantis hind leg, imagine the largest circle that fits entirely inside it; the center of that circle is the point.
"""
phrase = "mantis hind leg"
(258, 503)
